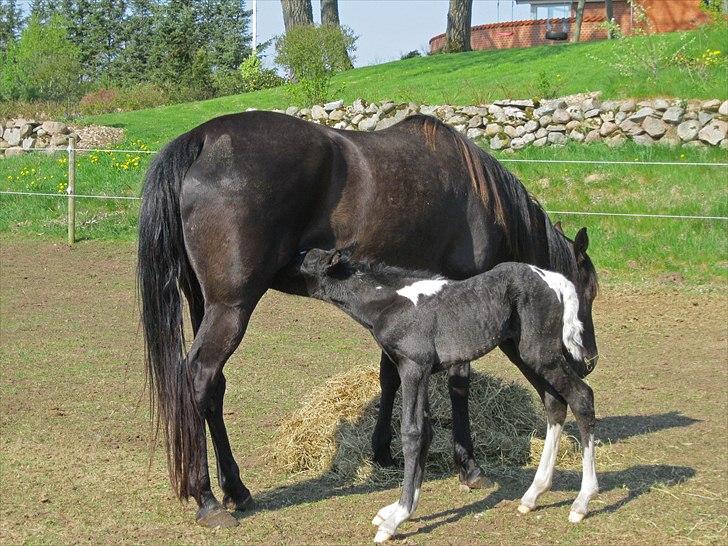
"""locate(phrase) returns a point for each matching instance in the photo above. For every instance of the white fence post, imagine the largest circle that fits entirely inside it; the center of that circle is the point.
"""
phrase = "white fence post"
(71, 190)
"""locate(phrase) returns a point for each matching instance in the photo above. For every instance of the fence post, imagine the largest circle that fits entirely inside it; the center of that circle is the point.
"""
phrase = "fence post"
(71, 190)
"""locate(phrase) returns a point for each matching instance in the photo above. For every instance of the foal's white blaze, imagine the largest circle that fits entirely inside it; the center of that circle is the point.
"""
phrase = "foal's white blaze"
(428, 287)
(589, 484)
(566, 293)
(545, 473)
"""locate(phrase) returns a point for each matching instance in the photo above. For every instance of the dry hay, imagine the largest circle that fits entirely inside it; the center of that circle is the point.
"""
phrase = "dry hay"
(331, 432)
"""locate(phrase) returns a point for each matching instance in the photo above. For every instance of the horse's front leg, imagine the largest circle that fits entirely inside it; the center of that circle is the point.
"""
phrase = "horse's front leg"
(471, 475)
(416, 438)
(382, 437)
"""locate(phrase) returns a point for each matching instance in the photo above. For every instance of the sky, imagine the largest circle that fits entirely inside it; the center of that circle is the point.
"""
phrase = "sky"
(389, 28)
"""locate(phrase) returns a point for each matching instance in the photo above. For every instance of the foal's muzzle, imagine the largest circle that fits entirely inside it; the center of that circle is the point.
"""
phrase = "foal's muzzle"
(591, 363)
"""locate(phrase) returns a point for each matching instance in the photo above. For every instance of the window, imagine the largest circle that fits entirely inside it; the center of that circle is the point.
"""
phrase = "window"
(551, 11)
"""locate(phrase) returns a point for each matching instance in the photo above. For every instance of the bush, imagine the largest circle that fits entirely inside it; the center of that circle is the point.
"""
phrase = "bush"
(411, 55)
(42, 65)
(255, 77)
(313, 55)
(137, 97)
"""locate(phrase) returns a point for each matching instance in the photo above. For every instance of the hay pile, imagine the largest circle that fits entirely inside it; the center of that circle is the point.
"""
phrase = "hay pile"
(331, 432)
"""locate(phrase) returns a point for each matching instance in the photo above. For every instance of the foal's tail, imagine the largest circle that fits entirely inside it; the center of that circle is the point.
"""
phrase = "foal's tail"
(162, 269)
(572, 326)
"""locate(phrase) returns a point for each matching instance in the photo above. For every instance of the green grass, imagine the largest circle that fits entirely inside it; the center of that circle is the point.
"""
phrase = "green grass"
(626, 248)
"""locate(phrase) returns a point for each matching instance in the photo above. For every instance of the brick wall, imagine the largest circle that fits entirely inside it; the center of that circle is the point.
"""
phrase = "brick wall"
(664, 16)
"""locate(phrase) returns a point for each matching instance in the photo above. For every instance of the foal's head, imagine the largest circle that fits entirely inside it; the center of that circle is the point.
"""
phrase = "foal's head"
(331, 275)
(587, 285)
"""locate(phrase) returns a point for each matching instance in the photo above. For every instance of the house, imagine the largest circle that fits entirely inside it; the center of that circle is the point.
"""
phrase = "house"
(553, 21)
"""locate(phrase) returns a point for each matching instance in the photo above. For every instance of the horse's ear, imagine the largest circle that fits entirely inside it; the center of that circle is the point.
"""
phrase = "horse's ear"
(558, 227)
(347, 252)
(581, 242)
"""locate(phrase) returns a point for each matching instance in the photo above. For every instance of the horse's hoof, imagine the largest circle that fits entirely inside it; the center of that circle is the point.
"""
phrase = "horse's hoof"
(216, 517)
(382, 536)
(480, 481)
(523, 509)
(238, 505)
(576, 517)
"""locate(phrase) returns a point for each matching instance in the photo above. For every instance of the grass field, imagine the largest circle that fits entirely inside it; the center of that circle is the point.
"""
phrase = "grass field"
(74, 429)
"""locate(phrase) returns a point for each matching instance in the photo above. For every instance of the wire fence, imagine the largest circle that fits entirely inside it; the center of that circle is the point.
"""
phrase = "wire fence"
(71, 194)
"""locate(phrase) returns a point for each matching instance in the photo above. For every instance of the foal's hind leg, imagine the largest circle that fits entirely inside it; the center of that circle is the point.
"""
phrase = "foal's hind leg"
(382, 436)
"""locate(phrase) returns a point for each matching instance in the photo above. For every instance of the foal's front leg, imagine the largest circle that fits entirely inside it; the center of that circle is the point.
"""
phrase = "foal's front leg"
(416, 438)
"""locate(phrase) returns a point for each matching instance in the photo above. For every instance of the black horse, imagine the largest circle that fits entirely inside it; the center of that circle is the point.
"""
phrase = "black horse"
(426, 324)
(227, 205)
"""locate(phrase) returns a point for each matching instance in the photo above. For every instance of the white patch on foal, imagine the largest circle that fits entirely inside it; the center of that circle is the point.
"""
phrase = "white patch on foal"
(589, 484)
(428, 287)
(391, 516)
(566, 293)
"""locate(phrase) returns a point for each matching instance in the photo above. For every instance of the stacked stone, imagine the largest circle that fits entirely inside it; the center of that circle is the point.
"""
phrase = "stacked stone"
(516, 124)
(20, 135)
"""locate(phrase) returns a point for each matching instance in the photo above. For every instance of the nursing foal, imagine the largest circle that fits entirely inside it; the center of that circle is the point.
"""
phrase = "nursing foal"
(426, 324)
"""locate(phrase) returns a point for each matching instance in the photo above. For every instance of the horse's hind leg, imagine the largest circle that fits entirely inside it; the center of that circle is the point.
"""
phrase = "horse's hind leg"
(237, 496)
(471, 475)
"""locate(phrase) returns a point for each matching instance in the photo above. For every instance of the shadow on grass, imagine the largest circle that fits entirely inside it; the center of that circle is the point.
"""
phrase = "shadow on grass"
(620, 427)
(511, 482)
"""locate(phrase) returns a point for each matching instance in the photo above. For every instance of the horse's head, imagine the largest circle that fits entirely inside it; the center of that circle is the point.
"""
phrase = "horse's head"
(587, 285)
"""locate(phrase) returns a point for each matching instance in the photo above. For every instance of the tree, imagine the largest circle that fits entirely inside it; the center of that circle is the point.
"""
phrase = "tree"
(609, 8)
(457, 36)
(43, 64)
(11, 19)
(296, 12)
(140, 31)
(579, 19)
(224, 25)
(330, 16)
(42, 10)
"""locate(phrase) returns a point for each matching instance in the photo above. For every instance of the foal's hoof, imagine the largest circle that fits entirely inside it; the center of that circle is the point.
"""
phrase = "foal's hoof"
(576, 517)
(216, 517)
(238, 505)
(523, 509)
(382, 536)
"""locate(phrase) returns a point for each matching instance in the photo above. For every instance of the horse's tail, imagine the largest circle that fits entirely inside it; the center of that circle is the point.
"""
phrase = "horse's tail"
(162, 267)
(572, 326)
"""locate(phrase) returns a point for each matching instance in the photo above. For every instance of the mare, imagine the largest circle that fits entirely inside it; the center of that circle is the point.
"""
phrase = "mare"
(227, 205)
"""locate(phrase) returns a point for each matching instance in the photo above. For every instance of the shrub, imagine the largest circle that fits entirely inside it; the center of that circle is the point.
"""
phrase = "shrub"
(411, 55)
(313, 55)
(137, 97)
(255, 77)
(42, 65)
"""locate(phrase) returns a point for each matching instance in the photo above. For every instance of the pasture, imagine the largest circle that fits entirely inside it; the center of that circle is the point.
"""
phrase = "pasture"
(75, 430)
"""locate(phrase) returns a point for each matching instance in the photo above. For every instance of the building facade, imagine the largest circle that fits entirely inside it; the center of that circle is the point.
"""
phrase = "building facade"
(559, 15)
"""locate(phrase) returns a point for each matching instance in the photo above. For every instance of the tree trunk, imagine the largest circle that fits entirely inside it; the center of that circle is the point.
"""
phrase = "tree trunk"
(296, 12)
(579, 19)
(330, 16)
(459, 18)
(610, 14)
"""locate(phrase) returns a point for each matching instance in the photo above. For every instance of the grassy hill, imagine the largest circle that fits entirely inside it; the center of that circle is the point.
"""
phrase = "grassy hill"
(624, 248)
(633, 67)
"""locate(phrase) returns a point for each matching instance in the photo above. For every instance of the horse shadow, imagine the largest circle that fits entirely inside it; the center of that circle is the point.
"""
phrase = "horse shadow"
(510, 482)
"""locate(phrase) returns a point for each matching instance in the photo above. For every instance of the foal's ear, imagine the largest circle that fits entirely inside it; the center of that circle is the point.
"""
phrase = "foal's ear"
(581, 242)
(558, 227)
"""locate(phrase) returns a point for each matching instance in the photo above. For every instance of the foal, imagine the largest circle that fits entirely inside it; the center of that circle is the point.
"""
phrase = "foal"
(427, 324)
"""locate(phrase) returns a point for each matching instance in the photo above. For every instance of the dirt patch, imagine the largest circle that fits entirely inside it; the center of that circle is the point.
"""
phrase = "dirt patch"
(74, 427)
(97, 136)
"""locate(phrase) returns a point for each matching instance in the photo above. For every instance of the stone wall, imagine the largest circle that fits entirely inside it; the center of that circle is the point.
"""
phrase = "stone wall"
(516, 124)
(20, 135)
